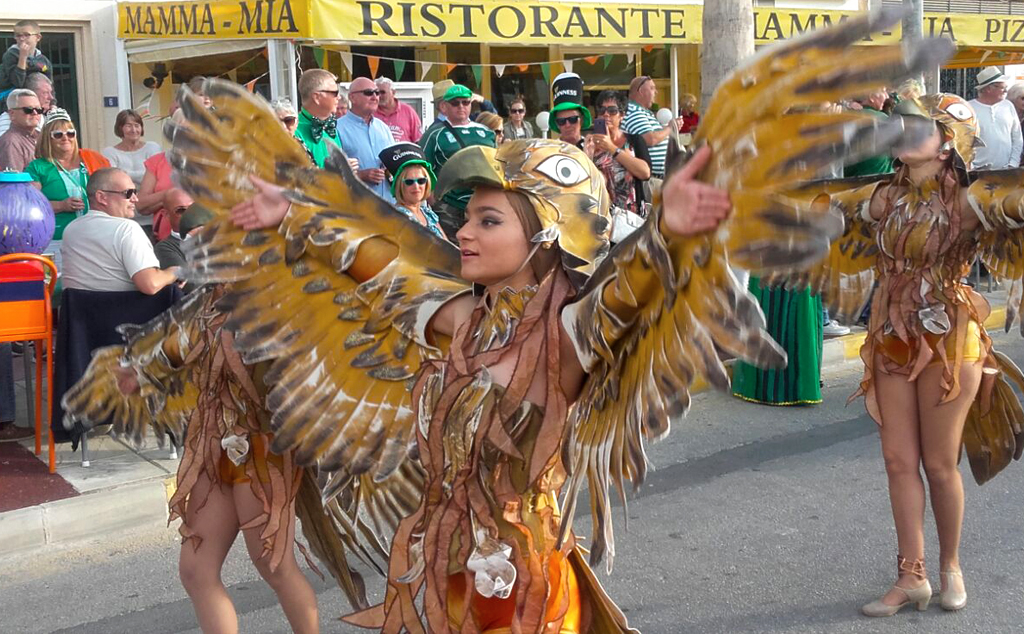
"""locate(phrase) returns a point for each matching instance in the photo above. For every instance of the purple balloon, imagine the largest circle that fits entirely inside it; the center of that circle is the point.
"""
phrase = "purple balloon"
(26, 219)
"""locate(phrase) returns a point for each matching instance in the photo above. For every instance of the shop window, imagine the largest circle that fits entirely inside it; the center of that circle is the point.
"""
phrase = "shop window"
(465, 55)
(619, 72)
(656, 62)
(527, 82)
(240, 67)
(60, 49)
(387, 68)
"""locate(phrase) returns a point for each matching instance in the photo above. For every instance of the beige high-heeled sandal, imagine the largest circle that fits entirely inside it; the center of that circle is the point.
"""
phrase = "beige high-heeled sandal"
(920, 595)
(952, 600)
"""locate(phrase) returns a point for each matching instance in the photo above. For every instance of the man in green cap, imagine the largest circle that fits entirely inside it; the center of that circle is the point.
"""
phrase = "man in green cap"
(437, 93)
(317, 125)
(452, 135)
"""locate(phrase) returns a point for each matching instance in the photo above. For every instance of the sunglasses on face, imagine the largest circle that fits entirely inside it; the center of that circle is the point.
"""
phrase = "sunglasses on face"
(32, 111)
(612, 110)
(127, 193)
(59, 134)
(333, 93)
(517, 110)
(409, 182)
(288, 120)
(369, 92)
(460, 103)
(573, 120)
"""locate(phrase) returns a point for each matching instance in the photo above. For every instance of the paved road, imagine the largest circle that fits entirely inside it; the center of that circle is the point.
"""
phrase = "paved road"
(756, 520)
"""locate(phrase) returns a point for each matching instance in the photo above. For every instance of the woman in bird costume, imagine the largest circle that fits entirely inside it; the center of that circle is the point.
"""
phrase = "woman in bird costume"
(513, 369)
(931, 381)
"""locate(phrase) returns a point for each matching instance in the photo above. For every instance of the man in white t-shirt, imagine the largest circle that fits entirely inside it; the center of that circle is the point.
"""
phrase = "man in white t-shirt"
(998, 125)
(104, 250)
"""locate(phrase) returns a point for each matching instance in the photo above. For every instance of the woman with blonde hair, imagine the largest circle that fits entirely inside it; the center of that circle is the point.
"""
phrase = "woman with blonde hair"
(412, 183)
(494, 123)
(61, 171)
(688, 113)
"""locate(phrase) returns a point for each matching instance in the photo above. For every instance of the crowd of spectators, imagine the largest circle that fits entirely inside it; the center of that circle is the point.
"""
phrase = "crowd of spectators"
(121, 221)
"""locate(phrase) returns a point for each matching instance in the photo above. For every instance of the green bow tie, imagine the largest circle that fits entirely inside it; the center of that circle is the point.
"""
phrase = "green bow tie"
(319, 126)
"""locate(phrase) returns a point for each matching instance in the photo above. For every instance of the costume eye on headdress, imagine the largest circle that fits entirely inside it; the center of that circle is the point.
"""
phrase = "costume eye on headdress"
(960, 111)
(955, 118)
(564, 170)
(567, 191)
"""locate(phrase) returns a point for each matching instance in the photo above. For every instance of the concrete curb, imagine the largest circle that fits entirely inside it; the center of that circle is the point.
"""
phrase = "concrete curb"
(90, 515)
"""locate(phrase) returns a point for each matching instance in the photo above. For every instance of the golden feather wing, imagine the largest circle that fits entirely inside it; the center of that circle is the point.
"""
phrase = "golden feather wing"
(650, 319)
(159, 351)
(845, 277)
(338, 298)
(997, 197)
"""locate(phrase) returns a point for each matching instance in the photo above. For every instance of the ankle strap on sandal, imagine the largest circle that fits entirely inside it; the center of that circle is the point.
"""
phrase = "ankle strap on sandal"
(913, 567)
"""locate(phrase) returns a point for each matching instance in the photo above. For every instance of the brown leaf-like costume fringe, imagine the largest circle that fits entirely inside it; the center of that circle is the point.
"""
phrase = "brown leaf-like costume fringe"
(229, 403)
(922, 313)
(493, 467)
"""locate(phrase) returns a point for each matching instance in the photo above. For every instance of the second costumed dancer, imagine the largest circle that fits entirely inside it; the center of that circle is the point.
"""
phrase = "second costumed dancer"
(931, 381)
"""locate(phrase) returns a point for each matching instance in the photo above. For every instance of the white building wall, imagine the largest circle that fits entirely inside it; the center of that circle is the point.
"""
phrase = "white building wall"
(94, 23)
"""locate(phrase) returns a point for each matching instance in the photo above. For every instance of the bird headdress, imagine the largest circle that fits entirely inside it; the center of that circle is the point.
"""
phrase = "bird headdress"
(566, 189)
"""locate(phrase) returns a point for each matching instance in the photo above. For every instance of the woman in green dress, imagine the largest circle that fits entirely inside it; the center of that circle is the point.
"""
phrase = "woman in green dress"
(794, 321)
(61, 171)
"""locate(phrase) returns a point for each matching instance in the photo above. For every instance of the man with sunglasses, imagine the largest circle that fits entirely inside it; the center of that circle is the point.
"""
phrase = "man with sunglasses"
(569, 117)
(41, 85)
(104, 250)
(18, 144)
(364, 136)
(316, 124)
(23, 59)
(641, 121)
(455, 133)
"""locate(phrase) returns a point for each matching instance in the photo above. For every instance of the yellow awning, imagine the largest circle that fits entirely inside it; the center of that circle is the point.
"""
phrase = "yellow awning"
(524, 22)
(972, 57)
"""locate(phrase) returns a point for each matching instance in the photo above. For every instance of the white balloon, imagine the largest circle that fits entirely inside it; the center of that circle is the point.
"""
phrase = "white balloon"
(664, 116)
(543, 119)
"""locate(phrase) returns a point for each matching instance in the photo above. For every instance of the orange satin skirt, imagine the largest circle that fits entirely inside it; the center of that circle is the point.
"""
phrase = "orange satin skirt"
(901, 353)
(259, 450)
(494, 616)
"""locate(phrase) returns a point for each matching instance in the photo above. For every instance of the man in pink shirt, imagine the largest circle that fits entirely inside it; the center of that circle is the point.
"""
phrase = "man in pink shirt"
(405, 124)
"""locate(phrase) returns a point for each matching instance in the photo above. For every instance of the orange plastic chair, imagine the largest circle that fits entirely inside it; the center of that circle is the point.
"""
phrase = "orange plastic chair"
(28, 316)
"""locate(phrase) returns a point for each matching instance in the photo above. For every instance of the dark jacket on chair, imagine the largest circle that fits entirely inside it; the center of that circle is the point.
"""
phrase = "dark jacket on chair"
(88, 320)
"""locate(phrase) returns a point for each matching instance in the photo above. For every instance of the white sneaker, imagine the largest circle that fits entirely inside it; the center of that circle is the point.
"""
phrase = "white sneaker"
(834, 329)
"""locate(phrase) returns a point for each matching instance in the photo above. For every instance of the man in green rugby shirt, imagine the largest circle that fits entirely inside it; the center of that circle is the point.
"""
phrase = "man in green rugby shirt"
(317, 126)
(442, 142)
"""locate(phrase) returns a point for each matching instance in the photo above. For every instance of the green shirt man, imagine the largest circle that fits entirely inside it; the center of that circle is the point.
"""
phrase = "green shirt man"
(445, 141)
(314, 135)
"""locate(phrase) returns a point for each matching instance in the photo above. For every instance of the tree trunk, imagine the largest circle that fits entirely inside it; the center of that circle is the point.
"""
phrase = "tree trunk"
(728, 40)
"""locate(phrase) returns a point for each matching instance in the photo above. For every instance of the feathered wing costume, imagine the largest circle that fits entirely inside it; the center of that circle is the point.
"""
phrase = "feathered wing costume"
(339, 299)
(920, 251)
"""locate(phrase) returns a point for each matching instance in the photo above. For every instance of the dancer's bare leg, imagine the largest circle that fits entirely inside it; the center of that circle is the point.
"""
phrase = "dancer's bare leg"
(293, 590)
(901, 449)
(217, 525)
(942, 427)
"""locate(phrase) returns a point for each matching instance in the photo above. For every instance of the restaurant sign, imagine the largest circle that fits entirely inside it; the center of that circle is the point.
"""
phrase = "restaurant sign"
(529, 22)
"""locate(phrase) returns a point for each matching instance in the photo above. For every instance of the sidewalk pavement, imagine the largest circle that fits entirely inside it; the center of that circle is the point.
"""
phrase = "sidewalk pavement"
(127, 488)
